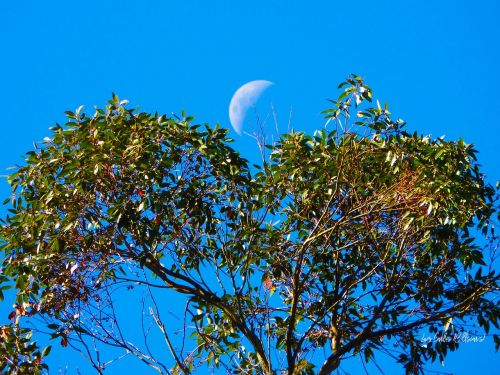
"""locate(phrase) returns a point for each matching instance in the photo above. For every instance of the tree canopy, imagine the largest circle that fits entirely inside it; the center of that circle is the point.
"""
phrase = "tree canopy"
(350, 241)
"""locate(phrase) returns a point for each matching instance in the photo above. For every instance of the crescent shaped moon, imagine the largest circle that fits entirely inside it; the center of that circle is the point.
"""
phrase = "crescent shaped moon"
(245, 97)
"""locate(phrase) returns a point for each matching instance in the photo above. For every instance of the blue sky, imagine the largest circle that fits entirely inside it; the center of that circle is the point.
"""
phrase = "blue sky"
(437, 63)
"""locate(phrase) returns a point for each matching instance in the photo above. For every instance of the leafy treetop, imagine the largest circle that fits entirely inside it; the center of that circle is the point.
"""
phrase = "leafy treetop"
(350, 241)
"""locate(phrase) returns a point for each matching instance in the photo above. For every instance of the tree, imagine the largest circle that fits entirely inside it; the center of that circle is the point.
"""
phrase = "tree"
(352, 241)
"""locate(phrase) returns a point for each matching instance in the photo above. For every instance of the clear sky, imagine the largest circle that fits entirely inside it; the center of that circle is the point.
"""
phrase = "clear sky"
(437, 63)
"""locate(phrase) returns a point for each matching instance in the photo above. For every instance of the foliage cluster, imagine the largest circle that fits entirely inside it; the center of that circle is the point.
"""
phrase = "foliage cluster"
(351, 241)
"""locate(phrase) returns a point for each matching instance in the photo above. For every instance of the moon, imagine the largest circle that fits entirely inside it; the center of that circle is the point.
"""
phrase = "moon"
(245, 97)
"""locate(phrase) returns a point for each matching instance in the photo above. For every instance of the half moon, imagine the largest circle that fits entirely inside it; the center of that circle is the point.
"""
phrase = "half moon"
(245, 97)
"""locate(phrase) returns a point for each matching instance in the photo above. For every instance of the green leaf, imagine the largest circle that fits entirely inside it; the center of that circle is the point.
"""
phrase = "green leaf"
(46, 351)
